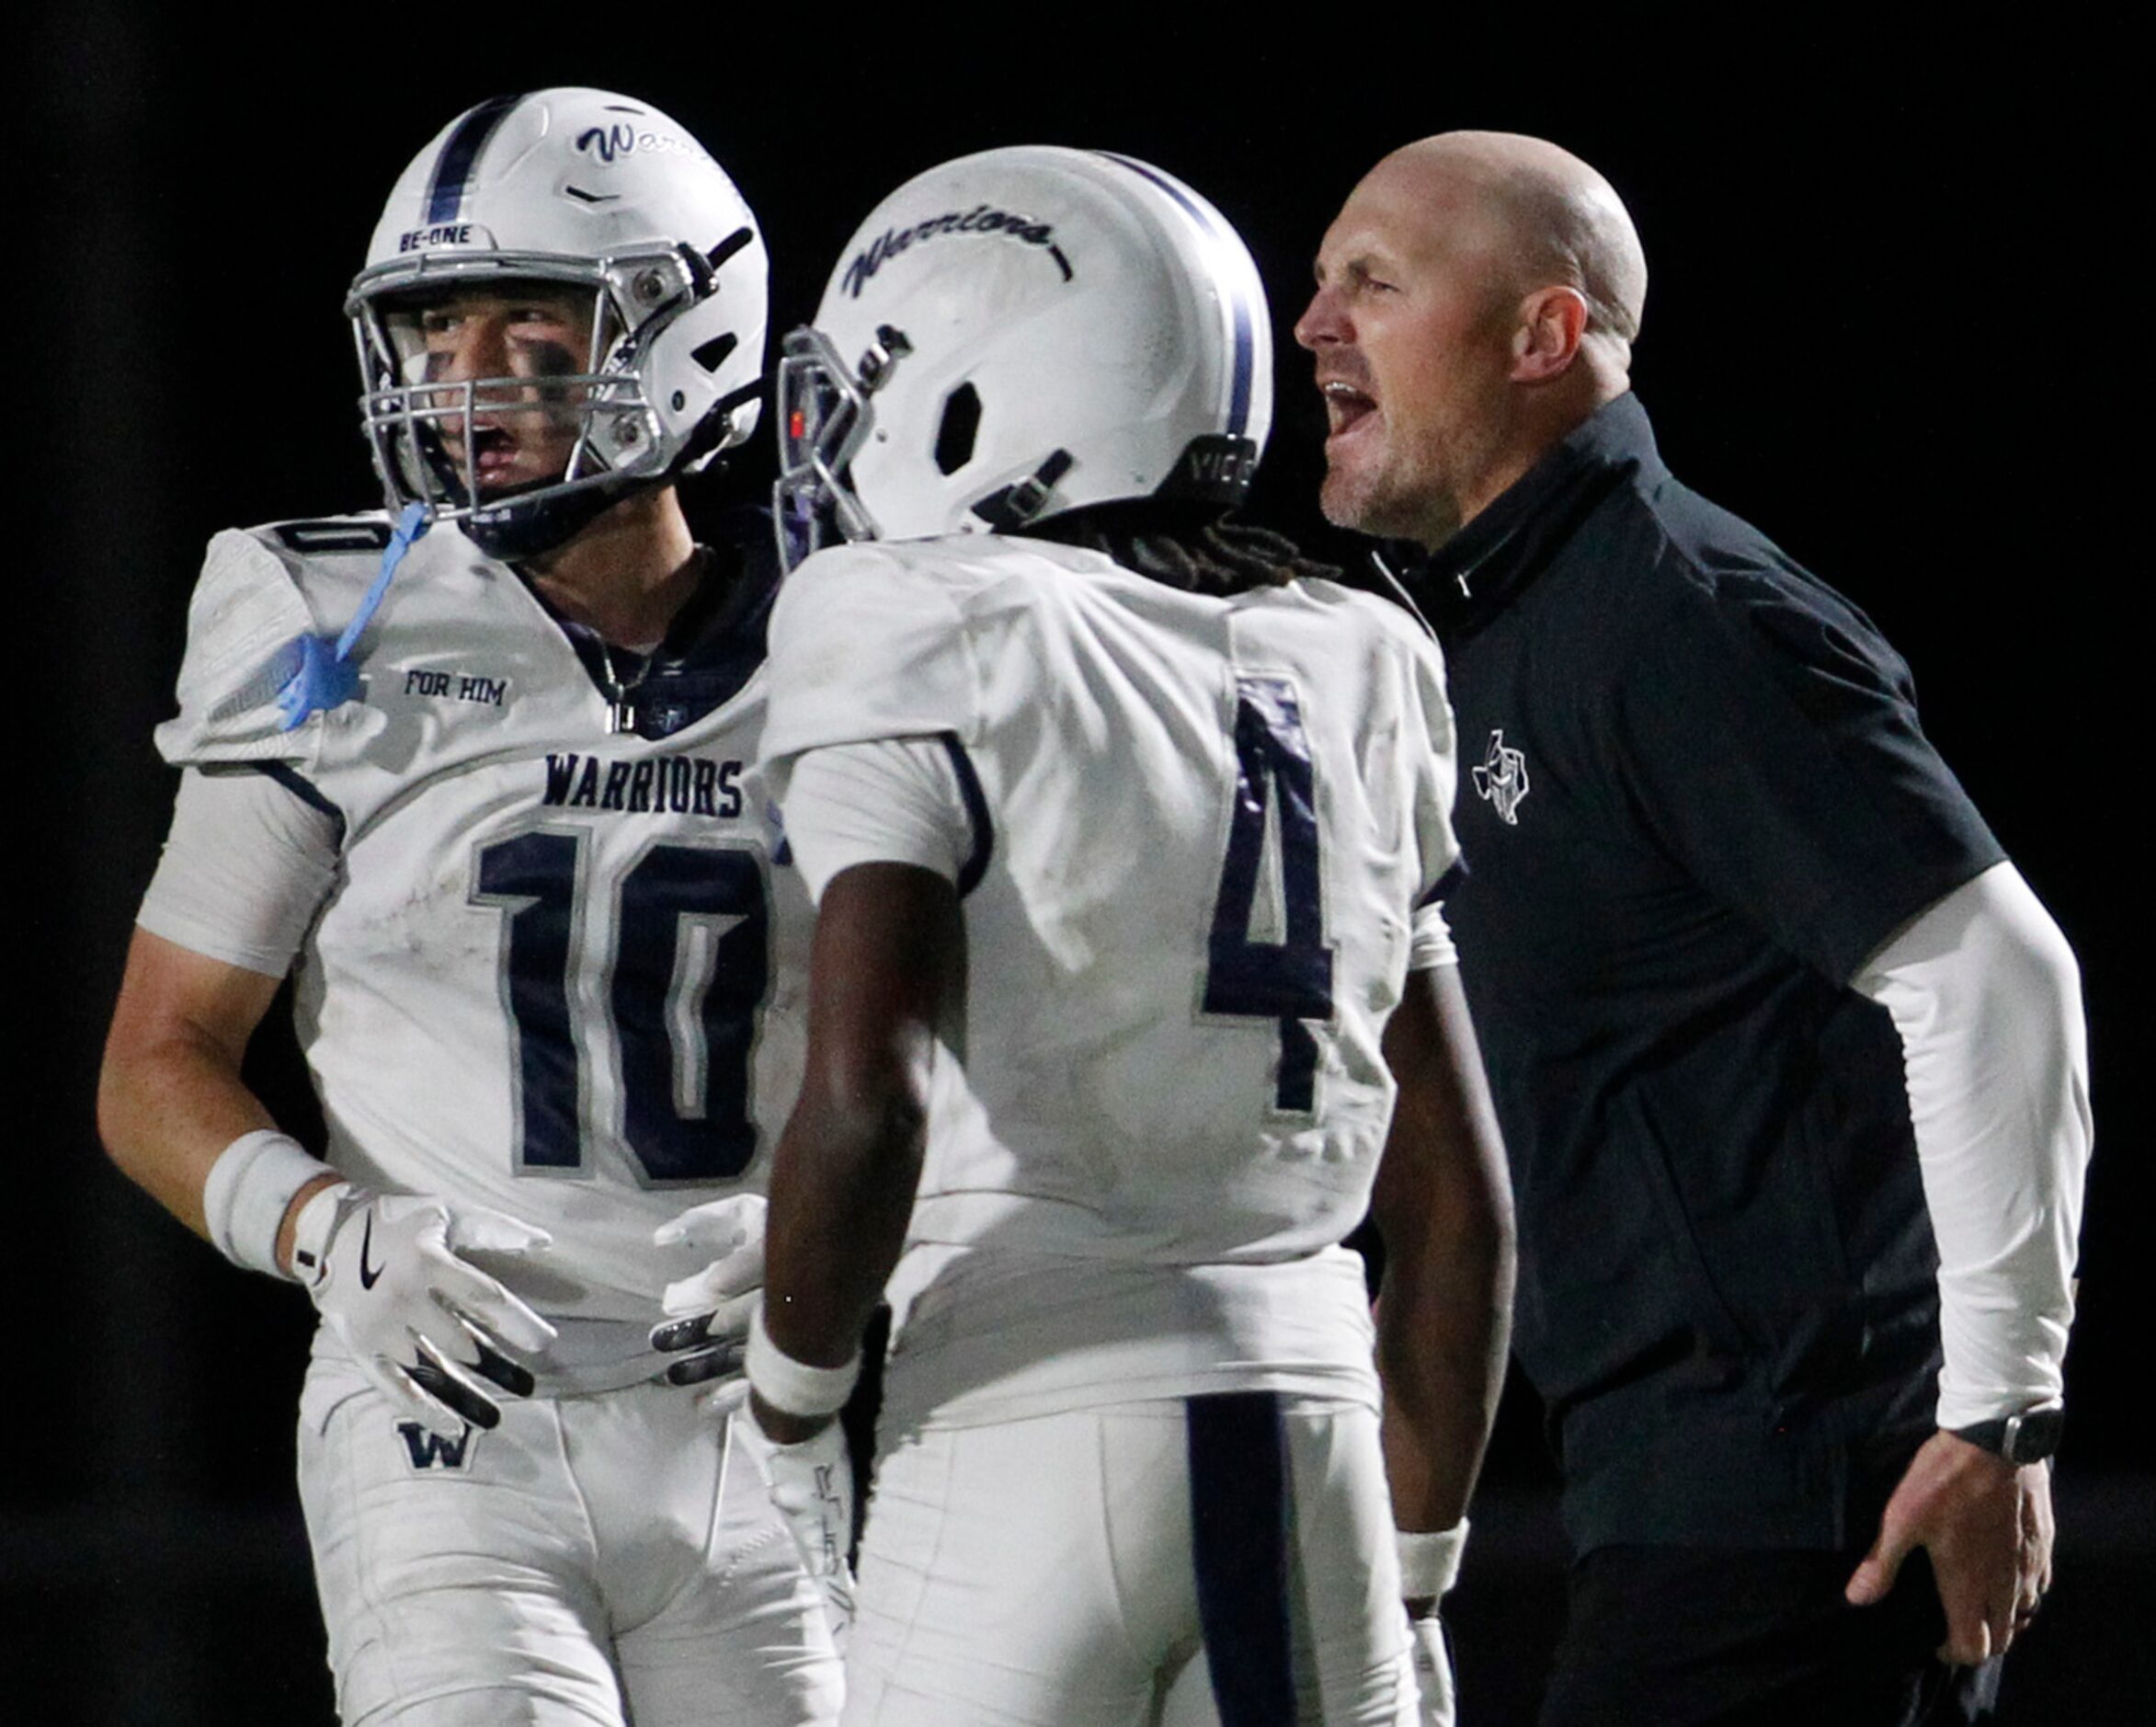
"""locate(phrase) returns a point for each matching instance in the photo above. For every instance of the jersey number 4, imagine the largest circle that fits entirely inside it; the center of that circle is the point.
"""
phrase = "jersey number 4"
(1288, 981)
(690, 971)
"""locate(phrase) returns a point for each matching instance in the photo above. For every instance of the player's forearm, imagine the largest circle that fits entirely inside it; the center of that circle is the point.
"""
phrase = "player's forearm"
(842, 1188)
(168, 1112)
(843, 1177)
(169, 1100)
(1442, 1330)
(1443, 1206)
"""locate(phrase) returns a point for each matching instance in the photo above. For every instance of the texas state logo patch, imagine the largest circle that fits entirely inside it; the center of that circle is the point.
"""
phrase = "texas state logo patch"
(1500, 779)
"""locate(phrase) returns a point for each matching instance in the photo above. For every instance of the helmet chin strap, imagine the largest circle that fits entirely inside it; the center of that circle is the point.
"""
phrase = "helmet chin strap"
(510, 529)
(1009, 507)
(511, 524)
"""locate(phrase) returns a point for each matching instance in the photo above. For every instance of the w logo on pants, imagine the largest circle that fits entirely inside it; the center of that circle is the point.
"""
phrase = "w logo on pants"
(430, 1450)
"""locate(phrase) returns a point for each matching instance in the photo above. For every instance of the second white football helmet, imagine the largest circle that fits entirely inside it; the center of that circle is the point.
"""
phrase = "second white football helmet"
(601, 195)
(1017, 333)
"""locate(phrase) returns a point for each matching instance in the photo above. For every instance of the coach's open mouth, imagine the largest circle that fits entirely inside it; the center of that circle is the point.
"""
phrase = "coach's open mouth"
(1345, 406)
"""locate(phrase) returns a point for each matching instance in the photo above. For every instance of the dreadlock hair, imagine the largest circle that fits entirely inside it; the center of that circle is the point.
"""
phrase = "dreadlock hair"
(1185, 544)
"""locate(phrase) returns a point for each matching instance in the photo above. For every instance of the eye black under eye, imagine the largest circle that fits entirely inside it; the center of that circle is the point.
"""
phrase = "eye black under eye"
(549, 360)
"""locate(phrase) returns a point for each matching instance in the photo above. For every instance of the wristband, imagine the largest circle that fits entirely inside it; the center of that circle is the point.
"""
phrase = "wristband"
(1429, 1559)
(793, 1386)
(313, 1228)
(249, 1189)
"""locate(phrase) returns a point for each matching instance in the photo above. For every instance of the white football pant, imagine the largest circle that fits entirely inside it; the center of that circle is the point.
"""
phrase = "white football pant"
(1045, 1571)
(592, 1561)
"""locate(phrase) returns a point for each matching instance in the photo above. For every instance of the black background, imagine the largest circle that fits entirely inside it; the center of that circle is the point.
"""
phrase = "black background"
(1891, 319)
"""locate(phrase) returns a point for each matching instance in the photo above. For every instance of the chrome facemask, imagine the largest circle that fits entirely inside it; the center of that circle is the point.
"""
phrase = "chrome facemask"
(825, 418)
(415, 426)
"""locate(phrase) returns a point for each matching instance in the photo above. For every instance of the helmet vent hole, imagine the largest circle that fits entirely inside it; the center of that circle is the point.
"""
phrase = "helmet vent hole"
(961, 423)
(713, 354)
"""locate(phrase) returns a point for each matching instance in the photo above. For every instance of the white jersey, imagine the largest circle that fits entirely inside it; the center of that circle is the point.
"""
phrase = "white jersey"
(1200, 831)
(556, 972)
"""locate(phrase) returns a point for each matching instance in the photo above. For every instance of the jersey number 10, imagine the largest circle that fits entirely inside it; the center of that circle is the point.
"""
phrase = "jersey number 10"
(688, 972)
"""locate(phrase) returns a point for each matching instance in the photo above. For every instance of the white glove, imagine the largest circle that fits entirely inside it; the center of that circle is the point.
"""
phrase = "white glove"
(1429, 1563)
(707, 1325)
(812, 1485)
(421, 1322)
(1434, 1669)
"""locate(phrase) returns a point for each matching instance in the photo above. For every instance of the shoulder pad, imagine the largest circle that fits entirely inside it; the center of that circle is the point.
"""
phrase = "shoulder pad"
(246, 614)
(868, 642)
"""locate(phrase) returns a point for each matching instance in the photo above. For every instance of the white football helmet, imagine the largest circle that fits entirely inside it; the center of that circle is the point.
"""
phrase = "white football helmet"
(595, 193)
(1017, 333)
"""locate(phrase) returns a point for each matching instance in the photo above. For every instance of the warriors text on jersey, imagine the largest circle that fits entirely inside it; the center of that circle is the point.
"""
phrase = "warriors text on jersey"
(1202, 835)
(552, 973)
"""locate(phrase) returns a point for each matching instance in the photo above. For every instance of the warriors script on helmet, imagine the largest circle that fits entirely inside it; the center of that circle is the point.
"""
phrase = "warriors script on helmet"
(980, 219)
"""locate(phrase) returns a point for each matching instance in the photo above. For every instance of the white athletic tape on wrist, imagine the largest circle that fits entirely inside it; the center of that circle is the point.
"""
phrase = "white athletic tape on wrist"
(794, 1386)
(249, 1189)
(1429, 1559)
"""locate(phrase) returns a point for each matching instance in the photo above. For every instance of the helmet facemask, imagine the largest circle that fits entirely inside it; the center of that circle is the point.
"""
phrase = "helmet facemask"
(825, 415)
(428, 430)
(574, 191)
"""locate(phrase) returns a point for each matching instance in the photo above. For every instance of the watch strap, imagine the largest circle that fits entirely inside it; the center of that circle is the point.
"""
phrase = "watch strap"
(2028, 1436)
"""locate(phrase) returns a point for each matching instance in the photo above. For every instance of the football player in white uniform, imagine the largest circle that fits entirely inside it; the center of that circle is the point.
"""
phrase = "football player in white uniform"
(1125, 833)
(471, 771)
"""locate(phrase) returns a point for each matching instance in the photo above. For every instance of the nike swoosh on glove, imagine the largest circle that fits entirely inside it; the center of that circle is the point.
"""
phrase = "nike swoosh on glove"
(437, 1337)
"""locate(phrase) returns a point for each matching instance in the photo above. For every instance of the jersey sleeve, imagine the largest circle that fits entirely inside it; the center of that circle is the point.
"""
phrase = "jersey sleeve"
(1769, 738)
(1431, 943)
(248, 865)
(245, 617)
(895, 802)
(864, 646)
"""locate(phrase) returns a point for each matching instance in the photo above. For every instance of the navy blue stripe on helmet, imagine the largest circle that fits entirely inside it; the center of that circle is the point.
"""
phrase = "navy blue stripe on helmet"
(1239, 1549)
(1239, 403)
(452, 172)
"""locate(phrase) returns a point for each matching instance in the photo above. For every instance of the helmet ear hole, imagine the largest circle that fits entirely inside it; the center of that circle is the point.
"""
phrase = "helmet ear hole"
(959, 425)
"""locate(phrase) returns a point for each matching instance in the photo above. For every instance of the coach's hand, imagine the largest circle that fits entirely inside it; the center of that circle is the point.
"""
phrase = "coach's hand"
(1433, 1665)
(435, 1334)
(707, 1324)
(1986, 1525)
(810, 1482)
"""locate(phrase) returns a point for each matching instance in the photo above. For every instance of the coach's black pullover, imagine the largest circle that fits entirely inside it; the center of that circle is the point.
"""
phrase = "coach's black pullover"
(1693, 798)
